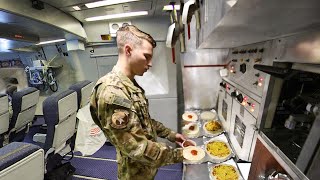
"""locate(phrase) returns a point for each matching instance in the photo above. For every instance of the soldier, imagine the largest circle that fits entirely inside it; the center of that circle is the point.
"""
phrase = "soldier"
(119, 107)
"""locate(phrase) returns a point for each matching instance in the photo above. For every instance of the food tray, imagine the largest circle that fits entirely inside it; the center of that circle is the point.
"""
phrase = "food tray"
(212, 110)
(207, 157)
(197, 112)
(229, 162)
(224, 139)
(202, 132)
(200, 123)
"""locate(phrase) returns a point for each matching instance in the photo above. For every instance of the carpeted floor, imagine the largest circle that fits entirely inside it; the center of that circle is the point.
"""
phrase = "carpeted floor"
(102, 164)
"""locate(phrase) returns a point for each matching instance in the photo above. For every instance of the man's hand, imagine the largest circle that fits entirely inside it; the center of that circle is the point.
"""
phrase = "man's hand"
(180, 139)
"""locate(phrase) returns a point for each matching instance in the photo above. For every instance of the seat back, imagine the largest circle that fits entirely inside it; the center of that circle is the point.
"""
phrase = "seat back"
(4, 113)
(83, 89)
(59, 112)
(24, 105)
(20, 160)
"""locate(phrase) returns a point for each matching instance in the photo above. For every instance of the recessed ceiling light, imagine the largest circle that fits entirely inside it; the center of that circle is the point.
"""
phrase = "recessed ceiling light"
(107, 3)
(170, 8)
(77, 8)
(115, 16)
(52, 41)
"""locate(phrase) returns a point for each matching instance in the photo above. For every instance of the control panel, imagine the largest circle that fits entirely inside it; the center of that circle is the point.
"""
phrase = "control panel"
(240, 67)
(251, 105)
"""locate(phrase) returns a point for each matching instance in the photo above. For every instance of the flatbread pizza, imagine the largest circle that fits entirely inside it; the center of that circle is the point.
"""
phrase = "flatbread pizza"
(193, 153)
(224, 172)
(190, 116)
(208, 115)
(191, 130)
(218, 150)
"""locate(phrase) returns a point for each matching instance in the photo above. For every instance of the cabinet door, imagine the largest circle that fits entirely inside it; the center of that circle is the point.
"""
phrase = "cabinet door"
(224, 109)
(263, 163)
(242, 131)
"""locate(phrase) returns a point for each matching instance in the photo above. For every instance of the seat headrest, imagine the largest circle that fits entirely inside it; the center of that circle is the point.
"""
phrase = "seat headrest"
(83, 89)
(14, 152)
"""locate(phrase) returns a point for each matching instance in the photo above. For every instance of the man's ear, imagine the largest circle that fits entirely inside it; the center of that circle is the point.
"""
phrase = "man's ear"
(127, 49)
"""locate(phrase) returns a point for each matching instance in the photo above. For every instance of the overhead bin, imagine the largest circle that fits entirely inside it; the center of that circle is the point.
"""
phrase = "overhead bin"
(251, 21)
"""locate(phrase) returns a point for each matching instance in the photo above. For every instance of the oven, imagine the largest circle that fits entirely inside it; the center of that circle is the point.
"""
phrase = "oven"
(294, 125)
(225, 105)
(243, 124)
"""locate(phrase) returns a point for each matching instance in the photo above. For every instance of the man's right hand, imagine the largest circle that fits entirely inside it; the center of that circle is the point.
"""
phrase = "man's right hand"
(180, 139)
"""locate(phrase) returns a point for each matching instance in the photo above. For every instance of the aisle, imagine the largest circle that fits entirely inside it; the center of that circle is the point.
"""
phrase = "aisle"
(102, 164)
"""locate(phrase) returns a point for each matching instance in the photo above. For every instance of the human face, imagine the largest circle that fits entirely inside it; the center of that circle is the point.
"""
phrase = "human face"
(141, 58)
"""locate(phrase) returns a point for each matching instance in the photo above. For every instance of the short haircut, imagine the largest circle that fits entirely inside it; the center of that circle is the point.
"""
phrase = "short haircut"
(131, 34)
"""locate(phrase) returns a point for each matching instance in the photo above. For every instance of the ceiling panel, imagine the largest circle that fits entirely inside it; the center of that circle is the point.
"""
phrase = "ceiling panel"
(251, 21)
(66, 3)
(17, 31)
(154, 8)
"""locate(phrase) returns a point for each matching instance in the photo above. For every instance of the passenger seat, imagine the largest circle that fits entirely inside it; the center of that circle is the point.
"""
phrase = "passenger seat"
(59, 112)
(20, 160)
(4, 117)
(83, 89)
(24, 103)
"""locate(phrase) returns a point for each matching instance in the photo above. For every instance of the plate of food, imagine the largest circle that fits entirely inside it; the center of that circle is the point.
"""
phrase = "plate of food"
(218, 150)
(188, 142)
(208, 115)
(193, 154)
(191, 130)
(190, 116)
(212, 128)
(224, 172)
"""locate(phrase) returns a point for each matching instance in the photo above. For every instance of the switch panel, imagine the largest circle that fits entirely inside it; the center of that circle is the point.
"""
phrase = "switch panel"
(241, 61)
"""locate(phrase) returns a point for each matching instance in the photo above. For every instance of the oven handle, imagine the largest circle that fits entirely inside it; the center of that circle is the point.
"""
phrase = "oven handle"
(280, 72)
(274, 175)
(254, 127)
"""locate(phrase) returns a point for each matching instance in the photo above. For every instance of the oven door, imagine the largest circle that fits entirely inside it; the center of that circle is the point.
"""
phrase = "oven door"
(224, 109)
(242, 131)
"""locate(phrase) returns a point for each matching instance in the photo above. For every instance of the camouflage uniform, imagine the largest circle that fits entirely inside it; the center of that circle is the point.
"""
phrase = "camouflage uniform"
(119, 107)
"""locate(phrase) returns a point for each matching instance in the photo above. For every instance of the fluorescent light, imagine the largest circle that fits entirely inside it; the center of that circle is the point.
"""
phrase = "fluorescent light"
(77, 8)
(169, 7)
(231, 2)
(107, 3)
(4, 45)
(115, 16)
(52, 41)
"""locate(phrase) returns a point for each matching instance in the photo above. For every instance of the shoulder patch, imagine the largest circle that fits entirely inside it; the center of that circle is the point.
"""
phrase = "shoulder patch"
(120, 101)
(120, 119)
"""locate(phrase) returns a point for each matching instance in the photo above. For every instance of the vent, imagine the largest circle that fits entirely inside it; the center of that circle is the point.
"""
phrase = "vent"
(114, 26)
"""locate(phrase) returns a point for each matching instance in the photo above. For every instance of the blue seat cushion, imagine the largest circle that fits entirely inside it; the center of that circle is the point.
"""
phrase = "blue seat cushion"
(14, 152)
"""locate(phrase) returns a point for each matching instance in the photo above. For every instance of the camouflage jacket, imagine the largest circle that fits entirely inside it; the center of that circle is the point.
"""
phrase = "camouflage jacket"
(119, 107)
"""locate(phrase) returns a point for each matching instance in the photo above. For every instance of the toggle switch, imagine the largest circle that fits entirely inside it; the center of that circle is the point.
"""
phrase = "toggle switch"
(258, 60)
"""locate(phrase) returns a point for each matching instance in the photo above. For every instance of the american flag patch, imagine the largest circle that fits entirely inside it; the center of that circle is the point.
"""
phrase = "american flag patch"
(95, 131)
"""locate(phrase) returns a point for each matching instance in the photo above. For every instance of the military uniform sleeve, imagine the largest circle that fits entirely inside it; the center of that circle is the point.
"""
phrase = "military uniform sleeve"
(123, 128)
(163, 131)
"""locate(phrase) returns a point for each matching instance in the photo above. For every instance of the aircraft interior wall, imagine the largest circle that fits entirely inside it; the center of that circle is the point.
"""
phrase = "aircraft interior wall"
(95, 61)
